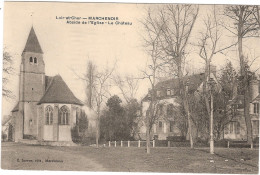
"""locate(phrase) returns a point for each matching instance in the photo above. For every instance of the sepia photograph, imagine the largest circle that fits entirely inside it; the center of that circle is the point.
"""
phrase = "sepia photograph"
(130, 87)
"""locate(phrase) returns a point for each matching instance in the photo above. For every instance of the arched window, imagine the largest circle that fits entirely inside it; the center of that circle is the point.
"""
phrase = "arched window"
(31, 60)
(35, 60)
(64, 115)
(77, 116)
(49, 115)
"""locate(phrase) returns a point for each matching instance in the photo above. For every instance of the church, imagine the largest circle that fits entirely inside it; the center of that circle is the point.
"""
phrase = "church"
(47, 109)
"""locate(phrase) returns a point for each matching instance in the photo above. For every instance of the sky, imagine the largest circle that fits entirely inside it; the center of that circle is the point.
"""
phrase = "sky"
(68, 47)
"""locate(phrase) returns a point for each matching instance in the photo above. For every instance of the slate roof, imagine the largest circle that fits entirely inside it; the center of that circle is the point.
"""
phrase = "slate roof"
(32, 44)
(58, 92)
(6, 119)
(239, 101)
(257, 99)
(194, 82)
(16, 108)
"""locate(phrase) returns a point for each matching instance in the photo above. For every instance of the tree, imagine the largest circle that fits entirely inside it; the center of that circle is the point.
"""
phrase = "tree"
(128, 85)
(78, 131)
(245, 25)
(132, 112)
(97, 89)
(100, 89)
(178, 23)
(8, 70)
(152, 32)
(114, 121)
(222, 110)
(208, 44)
(90, 78)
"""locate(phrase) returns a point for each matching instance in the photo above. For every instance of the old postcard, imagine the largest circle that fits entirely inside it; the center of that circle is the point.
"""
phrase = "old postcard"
(131, 87)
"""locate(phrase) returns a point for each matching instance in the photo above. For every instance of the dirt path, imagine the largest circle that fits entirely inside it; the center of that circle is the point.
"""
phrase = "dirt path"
(26, 157)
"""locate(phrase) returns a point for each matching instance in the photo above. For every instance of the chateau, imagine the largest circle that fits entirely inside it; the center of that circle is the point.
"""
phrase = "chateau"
(47, 109)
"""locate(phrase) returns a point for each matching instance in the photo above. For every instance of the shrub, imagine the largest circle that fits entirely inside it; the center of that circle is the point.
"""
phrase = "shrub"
(76, 138)
(4, 136)
(176, 138)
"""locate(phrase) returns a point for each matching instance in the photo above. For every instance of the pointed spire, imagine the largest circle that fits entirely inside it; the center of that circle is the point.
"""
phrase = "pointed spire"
(32, 44)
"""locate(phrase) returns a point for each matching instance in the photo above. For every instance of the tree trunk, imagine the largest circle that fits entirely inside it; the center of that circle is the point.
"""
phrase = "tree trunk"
(97, 127)
(245, 80)
(148, 151)
(184, 96)
(97, 133)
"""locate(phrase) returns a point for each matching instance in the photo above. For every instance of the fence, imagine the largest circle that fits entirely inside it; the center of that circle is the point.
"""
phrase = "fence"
(166, 143)
(138, 143)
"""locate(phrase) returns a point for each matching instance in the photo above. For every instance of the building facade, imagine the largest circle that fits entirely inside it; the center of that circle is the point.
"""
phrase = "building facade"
(236, 128)
(47, 109)
(166, 123)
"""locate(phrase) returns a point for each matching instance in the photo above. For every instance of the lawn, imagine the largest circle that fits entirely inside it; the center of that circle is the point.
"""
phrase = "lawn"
(177, 160)
(133, 159)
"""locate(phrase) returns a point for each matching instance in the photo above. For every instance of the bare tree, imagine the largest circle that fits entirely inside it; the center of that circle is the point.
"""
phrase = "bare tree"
(8, 70)
(90, 79)
(153, 30)
(101, 90)
(245, 25)
(178, 23)
(128, 85)
(97, 90)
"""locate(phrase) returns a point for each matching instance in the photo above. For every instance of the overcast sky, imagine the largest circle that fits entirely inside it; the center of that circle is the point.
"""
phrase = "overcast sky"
(69, 46)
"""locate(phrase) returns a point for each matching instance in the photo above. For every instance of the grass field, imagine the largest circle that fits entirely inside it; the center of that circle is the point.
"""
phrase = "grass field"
(177, 160)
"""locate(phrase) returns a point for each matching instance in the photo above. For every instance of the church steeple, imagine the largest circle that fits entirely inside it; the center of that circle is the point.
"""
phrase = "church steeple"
(32, 44)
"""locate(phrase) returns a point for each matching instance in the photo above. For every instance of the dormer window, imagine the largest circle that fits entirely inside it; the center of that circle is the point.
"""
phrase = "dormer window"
(31, 60)
(35, 60)
(168, 92)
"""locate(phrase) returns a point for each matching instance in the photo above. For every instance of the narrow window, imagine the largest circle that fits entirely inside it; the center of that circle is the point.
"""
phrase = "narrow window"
(64, 115)
(232, 127)
(256, 108)
(31, 60)
(171, 126)
(160, 125)
(154, 128)
(158, 93)
(255, 127)
(168, 92)
(237, 128)
(160, 108)
(35, 60)
(49, 115)
(30, 122)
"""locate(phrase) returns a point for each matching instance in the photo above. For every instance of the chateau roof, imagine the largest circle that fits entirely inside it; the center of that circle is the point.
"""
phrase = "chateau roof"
(32, 44)
(194, 82)
(58, 92)
(6, 119)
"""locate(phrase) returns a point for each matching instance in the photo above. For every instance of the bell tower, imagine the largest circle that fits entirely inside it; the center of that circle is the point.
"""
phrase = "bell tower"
(32, 83)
